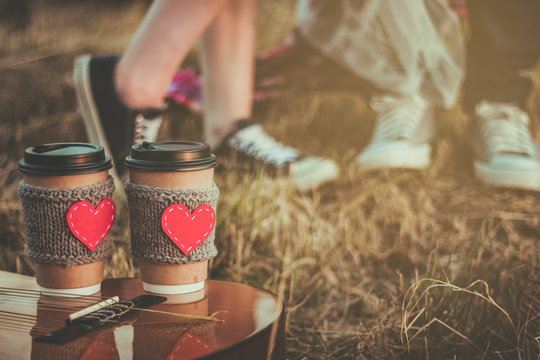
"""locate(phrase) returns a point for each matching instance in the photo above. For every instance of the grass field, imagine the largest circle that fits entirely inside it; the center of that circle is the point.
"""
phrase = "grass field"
(389, 264)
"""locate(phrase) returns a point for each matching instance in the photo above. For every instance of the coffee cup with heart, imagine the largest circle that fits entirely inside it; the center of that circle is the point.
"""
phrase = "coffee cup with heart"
(68, 212)
(158, 336)
(172, 201)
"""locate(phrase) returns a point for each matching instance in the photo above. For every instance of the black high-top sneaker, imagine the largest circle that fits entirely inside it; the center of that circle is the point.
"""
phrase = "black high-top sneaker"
(108, 121)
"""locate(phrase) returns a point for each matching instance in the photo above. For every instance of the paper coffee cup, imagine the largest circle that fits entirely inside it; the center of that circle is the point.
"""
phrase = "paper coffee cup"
(172, 165)
(66, 166)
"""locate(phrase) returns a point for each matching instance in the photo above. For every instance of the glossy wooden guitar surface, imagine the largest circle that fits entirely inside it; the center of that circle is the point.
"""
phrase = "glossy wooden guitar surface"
(250, 326)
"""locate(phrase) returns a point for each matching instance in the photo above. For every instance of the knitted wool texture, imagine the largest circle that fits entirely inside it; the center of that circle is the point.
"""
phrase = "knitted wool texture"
(48, 235)
(71, 350)
(148, 240)
(158, 342)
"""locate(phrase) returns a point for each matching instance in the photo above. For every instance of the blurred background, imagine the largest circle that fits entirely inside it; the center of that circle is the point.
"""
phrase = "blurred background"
(385, 264)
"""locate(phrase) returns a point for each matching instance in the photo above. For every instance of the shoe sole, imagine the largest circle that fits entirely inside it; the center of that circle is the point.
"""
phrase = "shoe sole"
(325, 171)
(526, 180)
(408, 157)
(92, 122)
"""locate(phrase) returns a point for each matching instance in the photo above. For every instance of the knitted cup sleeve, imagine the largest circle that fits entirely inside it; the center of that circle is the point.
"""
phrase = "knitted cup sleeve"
(48, 236)
(148, 238)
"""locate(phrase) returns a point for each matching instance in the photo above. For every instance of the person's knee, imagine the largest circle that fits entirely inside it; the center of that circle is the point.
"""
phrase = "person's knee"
(139, 92)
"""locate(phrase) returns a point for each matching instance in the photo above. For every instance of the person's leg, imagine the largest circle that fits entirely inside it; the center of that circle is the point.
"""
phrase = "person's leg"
(165, 36)
(227, 55)
(504, 39)
(122, 99)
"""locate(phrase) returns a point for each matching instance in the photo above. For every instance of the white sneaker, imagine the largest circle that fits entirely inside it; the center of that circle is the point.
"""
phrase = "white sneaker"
(250, 146)
(506, 155)
(402, 135)
(309, 172)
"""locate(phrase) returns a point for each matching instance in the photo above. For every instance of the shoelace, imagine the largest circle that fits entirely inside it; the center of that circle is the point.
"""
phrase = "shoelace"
(505, 128)
(146, 129)
(254, 141)
(398, 117)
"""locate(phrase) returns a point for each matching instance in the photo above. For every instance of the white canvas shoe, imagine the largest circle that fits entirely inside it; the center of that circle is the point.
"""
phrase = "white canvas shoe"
(505, 153)
(402, 135)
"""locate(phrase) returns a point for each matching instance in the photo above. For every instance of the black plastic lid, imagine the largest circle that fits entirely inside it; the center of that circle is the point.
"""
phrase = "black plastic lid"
(171, 156)
(64, 159)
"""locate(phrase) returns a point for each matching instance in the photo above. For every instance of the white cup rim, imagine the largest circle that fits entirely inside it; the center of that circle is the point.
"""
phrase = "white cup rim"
(173, 289)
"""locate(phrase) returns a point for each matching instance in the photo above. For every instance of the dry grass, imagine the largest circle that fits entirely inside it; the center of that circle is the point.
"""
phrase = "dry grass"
(390, 264)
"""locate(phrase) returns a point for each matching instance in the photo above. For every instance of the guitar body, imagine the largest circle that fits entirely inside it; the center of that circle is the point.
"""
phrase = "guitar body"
(250, 326)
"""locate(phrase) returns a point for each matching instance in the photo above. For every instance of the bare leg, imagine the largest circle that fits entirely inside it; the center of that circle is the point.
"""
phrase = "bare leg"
(227, 50)
(165, 36)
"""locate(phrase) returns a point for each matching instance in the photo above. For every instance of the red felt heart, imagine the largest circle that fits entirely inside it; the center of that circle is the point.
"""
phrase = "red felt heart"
(188, 231)
(189, 346)
(91, 225)
(101, 350)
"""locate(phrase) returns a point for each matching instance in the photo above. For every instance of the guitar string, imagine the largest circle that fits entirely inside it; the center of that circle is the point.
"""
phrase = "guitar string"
(15, 314)
(31, 318)
(31, 327)
(31, 296)
(46, 306)
(33, 331)
(67, 310)
(209, 318)
(30, 321)
(47, 291)
(45, 302)
(16, 321)
(43, 306)
(25, 317)
(26, 331)
(27, 322)
(188, 316)
(71, 297)
(162, 323)
(15, 328)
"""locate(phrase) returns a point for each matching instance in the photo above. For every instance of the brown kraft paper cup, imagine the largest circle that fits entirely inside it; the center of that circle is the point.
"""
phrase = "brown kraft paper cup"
(55, 277)
(155, 276)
